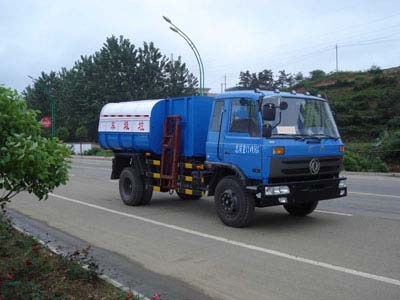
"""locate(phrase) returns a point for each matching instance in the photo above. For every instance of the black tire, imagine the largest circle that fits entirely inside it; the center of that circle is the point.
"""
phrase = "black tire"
(187, 197)
(147, 195)
(131, 187)
(235, 206)
(301, 209)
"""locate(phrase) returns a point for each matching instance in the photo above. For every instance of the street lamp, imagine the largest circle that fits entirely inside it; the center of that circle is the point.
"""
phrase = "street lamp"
(52, 106)
(192, 46)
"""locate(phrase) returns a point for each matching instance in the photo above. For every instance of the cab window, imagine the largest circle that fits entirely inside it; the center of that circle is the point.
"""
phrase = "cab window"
(216, 117)
(244, 117)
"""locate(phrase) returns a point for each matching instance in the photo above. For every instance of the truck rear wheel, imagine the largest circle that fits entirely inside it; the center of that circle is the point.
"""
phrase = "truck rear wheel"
(235, 206)
(132, 189)
(184, 196)
(301, 209)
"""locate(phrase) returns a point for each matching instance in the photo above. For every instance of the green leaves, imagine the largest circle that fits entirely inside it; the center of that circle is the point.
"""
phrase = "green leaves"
(119, 71)
(28, 161)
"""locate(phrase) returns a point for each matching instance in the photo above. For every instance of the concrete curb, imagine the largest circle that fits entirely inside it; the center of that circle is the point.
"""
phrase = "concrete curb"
(390, 174)
(104, 277)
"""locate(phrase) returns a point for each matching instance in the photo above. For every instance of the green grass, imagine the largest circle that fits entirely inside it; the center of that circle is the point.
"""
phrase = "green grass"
(95, 151)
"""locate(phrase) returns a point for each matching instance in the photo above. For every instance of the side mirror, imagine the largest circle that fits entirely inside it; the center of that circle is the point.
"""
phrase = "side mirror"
(283, 105)
(269, 112)
(267, 131)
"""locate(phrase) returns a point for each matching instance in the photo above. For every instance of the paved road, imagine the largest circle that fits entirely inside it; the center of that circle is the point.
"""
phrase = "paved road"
(348, 249)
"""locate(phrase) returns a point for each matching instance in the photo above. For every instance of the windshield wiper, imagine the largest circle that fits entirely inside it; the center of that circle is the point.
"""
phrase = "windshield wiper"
(323, 135)
(295, 136)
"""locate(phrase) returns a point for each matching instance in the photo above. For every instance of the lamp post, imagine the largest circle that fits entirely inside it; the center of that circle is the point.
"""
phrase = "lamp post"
(52, 107)
(192, 46)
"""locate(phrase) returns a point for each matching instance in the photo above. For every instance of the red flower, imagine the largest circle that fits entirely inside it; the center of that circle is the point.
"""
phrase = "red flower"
(9, 277)
(155, 296)
(129, 295)
(28, 262)
(35, 248)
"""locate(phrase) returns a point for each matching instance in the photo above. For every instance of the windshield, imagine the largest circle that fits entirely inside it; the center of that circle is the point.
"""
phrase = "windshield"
(303, 117)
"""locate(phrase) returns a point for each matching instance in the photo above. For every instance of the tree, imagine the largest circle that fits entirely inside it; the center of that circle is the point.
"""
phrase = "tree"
(178, 81)
(245, 79)
(119, 71)
(28, 161)
(266, 80)
(63, 133)
(285, 80)
(263, 80)
(317, 75)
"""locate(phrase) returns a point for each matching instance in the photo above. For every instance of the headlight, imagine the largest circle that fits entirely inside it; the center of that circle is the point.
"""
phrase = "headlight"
(342, 184)
(277, 190)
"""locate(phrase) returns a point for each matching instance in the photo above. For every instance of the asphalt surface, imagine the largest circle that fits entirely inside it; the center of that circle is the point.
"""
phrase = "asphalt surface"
(348, 249)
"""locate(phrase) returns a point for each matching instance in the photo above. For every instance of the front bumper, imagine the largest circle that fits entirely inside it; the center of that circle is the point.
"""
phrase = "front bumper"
(302, 192)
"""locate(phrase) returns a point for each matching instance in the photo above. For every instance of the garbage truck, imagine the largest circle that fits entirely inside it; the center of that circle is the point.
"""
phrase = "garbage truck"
(247, 149)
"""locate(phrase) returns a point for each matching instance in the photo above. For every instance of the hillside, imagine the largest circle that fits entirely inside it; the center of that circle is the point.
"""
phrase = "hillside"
(366, 104)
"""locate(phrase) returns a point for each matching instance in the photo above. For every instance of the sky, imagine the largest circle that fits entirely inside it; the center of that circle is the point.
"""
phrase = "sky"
(231, 36)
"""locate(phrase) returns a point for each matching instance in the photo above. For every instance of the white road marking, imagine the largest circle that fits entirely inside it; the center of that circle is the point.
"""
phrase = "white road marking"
(333, 213)
(378, 195)
(240, 244)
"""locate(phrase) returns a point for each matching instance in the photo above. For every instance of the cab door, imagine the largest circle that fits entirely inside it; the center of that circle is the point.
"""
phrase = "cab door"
(217, 127)
(242, 137)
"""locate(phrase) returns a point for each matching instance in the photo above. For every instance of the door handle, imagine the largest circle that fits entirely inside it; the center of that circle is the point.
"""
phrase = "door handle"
(227, 152)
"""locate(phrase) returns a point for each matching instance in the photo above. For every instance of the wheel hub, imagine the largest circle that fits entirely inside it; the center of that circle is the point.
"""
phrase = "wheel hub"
(128, 186)
(229, 201)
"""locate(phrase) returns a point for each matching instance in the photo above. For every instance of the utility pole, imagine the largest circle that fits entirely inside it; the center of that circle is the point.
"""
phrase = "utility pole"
(337, 61)
(225, 83)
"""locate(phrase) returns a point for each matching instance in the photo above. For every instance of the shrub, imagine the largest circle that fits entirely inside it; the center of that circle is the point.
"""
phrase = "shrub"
(28, 161)
(363, 162)
(390, 147)
(375, 69)
(92, 151)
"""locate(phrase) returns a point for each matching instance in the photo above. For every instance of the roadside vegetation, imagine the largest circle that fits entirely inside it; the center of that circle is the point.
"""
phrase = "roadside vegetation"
(29, 270)
(28, 161)
(96, 151)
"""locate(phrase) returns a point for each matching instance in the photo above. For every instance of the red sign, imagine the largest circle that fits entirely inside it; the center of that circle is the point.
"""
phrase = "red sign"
(46, 122)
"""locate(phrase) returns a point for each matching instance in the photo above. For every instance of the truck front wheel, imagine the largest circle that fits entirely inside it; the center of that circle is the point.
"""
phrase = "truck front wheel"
(132, 189)
(235, 206)
(301, 209)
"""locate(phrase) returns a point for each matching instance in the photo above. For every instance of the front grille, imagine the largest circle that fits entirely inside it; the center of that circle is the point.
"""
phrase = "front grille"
(300, 167)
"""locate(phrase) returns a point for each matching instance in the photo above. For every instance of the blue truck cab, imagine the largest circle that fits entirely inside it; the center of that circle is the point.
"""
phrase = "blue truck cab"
(285, 146)
(248, 149)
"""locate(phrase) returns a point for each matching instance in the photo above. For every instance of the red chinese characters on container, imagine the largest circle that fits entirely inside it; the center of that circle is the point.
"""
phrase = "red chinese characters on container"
(113, 125)
(126, 125)
(140, 126)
